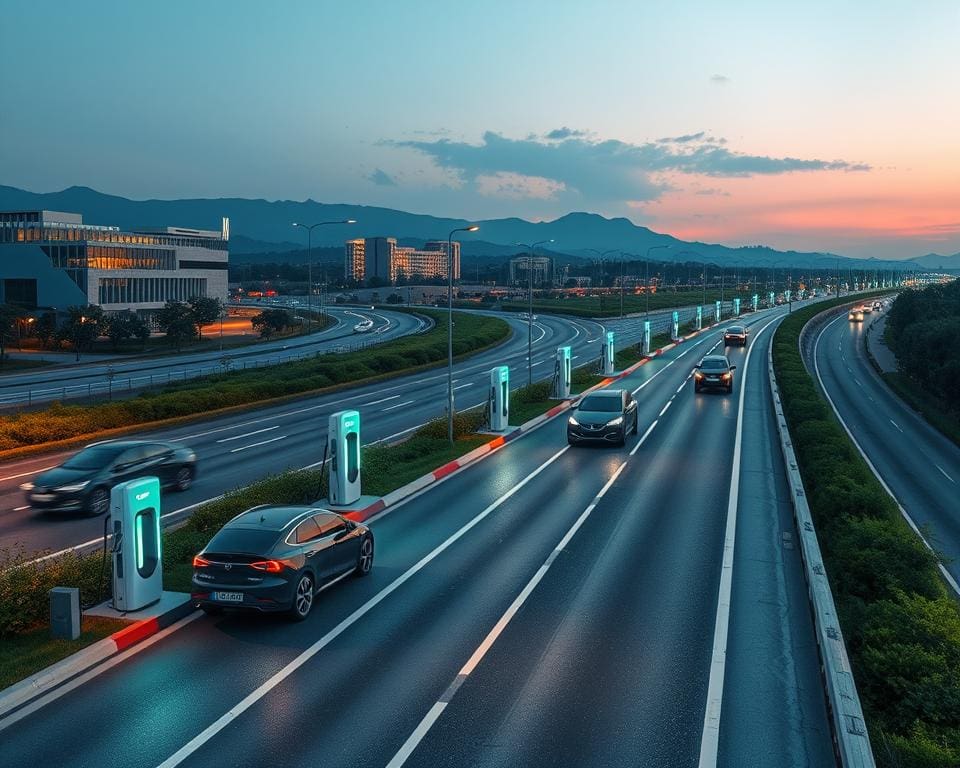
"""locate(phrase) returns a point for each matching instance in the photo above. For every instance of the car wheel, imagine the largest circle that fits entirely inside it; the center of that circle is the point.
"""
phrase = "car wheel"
(211, 610)
(302, 598)
(622, 441)
(184, 479)
(365, 560)
(98, 502)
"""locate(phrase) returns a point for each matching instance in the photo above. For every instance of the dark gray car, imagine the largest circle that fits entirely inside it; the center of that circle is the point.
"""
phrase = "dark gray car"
(713, 372)
(272, 559)
(607, 416)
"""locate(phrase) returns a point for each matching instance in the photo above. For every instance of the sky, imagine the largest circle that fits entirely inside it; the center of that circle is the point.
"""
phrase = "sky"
(824, 126)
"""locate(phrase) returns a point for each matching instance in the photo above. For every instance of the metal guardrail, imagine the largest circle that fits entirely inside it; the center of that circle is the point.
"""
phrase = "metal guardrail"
(850, 738)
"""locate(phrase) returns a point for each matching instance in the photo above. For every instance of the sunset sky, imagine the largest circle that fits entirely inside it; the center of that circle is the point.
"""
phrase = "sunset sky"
(828, 126)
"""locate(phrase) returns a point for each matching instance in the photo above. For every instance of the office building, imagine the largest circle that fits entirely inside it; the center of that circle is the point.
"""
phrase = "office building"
(52, 259)
(381, 258)
(353, 267)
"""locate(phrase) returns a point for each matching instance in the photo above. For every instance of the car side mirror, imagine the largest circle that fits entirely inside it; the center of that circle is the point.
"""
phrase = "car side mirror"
(733, 367)
(697, 367)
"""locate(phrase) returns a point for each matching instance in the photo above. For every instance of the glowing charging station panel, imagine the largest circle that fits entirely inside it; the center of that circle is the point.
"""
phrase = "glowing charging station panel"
(645, 344)
(756, 302)
(699, 317)
(608, 353)
(137, 559)
(736, 307)
(343, 448)
(675, 326)
(772, 298)
(716, 311)
(564, 371)
(499, 398)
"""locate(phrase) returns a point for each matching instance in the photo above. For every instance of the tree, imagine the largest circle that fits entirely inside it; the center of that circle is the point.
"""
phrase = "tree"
(204, 310)
(271, 321)
(83, 325)
(394, 298)
(139, 328)
(9, 317)
(176, 321)
(46, 327)
(120, 327)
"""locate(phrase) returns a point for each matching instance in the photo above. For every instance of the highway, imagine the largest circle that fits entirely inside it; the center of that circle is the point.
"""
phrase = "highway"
(546, 606)
(121, 375)
(920, 467)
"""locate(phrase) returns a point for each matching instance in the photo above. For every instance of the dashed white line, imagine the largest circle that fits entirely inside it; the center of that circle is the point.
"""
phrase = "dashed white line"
(20, 509)
(943, 472)
(398, 405)
(469, 384)
(664, 409)
(895, 424)
(382, 400)
(248, 434)
(25, 474)
(254, 445)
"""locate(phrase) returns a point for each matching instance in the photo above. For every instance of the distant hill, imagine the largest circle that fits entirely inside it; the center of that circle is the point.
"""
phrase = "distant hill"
(262, 226)
(936, 261)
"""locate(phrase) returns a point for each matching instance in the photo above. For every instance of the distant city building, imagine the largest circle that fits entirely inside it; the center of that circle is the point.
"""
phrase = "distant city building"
(542, 267)
(51, 259)
(381, 258)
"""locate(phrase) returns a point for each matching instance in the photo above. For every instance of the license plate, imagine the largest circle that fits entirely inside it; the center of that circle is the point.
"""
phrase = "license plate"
(228, 597)
(42, 497)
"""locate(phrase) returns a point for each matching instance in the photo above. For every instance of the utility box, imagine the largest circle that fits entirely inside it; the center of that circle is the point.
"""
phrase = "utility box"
(756, 302)
(607, 354)
(675, 326)
(499, 398)
(645, 343)
(343, 447)
(699, 317)
(736, 307)
(137, 563)
(65, 613)
(717, 308)
(563, 372)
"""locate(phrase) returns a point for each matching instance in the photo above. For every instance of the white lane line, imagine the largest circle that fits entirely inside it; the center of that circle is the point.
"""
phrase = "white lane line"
(25, 474)
(470, 384)
(664, 409)
(942, 472)
(398, 405)
(710, 740)
(382, 400)
(683, 384)
(248, 434)
(895, 424)
(574, 357)
(274, 680)
(79, 680)
(643, 439)
(20, 509)
(437, 709)
(255, 445)
(859, 384)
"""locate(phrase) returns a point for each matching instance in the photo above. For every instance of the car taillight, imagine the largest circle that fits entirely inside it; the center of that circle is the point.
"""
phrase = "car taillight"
(270, 566)
(199, 562)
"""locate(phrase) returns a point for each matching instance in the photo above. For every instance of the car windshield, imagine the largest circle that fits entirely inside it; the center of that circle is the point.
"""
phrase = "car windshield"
(736, 329)
(95, 457)
(601, 403)
(243, 541)
(713, 365)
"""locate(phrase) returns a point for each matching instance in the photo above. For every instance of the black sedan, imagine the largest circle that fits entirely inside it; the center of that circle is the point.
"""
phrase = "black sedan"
(276, 558)
(83, 482)
(713, 372)
(607, 416)
(735, 334)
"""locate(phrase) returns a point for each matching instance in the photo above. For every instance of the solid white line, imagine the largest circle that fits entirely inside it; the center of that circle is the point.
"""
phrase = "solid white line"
(398, 405)
(895, 424)
(79, 680)
(942, 471)
(248, 434)
(710, 740)
(272, 682)
(20, 509)
(382, 400)
(254, 445)
(876, 473)
(437, 709)
(25, 474)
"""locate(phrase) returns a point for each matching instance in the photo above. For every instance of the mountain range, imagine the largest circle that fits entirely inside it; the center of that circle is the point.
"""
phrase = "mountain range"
(263, 226)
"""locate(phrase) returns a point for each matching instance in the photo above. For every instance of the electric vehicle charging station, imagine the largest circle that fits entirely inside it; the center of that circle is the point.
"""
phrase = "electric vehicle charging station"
(756, 302)
(563, 372)
(645, 342)
(500, 398)
(772, 299)
(675, 326)
(787, 294)
(716, 311)
(736, 307)
(137, 564)
(607, 354)
(343, 447)
(699, 317)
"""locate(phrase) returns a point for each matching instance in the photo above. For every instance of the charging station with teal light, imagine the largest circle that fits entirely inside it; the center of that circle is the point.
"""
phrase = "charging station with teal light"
(699, 317)
(607, 353)
(736, 307)
(343, 447)
(564, 372)
(645, 344)
(772, 299)
(756, 302)
(787, 294)
(137, 559)
(716, 311)
(499, 398)
(675, 326)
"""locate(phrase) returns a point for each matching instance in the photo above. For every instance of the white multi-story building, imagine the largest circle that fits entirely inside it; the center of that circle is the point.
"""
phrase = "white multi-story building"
(381, 257)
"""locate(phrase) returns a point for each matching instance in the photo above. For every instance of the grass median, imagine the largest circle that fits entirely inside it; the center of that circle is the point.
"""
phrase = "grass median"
(60, 424)
(900, 622)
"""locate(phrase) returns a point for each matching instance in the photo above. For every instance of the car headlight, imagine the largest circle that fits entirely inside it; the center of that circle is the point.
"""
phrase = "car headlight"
(73, 486)
(26, 487)
(698, 375)
(573, 422)
(726, 376)
(615, 422)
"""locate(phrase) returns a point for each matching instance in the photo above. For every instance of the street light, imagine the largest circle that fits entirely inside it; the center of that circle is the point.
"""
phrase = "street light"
(76, 336)
(310, 228)
(470, 228)
(530, 305)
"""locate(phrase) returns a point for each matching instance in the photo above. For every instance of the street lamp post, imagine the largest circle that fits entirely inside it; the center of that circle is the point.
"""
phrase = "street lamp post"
(600, 255)
(532, 247)
(77, 334)
(470, 228)
(310, 228)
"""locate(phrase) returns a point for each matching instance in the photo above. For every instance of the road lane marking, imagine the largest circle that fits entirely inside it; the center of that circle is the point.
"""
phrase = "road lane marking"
(382, 400)
(710, 738)
(942, 471)
(398, 405)
(895, 424)
(27, 474)
(274, 680)
(249, 434)
(468, 384)
(20, 509)
(255, 445)
(643, 439)
(664, 409)
(476, 657)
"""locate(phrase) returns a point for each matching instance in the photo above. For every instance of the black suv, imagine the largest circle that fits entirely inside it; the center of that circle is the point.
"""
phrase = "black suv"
(735, 334)
(605, 416)
(83, 482)
(276, 558)
(714, 372)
